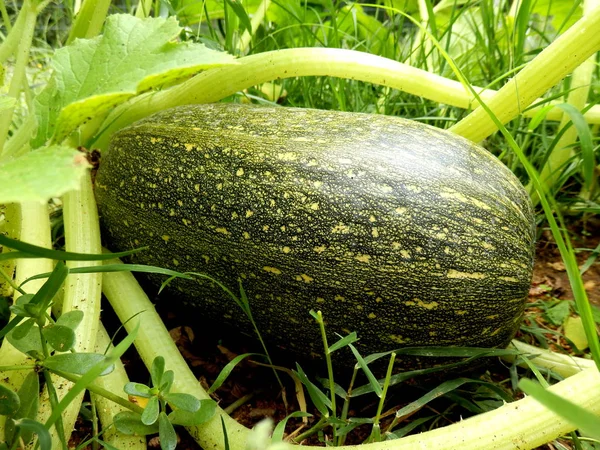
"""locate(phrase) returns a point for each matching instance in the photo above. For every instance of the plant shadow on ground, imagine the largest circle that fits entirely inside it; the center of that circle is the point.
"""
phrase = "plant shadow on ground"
(208, 349)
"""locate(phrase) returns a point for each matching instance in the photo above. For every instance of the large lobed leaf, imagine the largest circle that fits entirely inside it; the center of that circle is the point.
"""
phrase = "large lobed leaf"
(41, 174)
(92, 76)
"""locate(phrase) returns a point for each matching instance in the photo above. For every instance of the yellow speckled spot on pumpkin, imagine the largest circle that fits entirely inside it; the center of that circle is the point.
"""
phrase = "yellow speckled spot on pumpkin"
(282, 228)
(468, 275)
(222, 230)
(441, 235)
(172, 212)
(488, 246)
(375, 232)
(422, 304)
(398, 339)
(189, 147)
(175, 262)
(287, 156)
(179, 202)
(197, 187)
(249, 213)
(125, 223)
(405, 254)
(265, 227)
(452, 194)
(385, 188)
(509, 279)
(272, 203)
(274, 270)
(339, 298)
(320, 300)
(447, 250)
(314, 206)
(246, 235)
(371, 316)
(304, 277)
(234, 215)
(461, 312)
(396, 245)
(340, 228)
(378, 299)
(433, 333)
(286, 249)
(206, 258)
(166, 237)
(240, 172)
(318, 184)
(320, 248)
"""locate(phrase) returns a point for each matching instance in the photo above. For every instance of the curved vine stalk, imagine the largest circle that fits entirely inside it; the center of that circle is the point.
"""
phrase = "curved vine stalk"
(216, 84)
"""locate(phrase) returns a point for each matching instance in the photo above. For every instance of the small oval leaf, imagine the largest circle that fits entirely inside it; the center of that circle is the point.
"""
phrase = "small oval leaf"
(183, 401)
(150, 414)
(9, 401)
(189, 419)
(77, 363)
(128, 422)
(60, 337)
(70, 319)
(166, 432)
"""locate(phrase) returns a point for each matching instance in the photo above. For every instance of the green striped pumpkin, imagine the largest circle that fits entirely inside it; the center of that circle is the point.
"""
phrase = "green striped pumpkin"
(402, 232)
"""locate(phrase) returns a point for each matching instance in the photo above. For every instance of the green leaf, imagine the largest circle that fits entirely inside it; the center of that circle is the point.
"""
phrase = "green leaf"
(137, 389)
(564, 13)
(30, 344)
(363, 365)
(92, 76)
(166, 432)
(189, 419)
(558, 313)
(61, 338)
(29, 396)
(76, 363)
(585, 420)
(32, 426)
(9, 401)
(279, 430)
(25, 250)
(156, 371)
(240, 12)
(39, 175)
(588, 161)
(70, 319)
(151, 411)
(575, 332)
(23, 329)
(319, 399)
(349, 339)
(167, 381)
(227, 371)
(183, 401)
(436, 392)
(129, 422)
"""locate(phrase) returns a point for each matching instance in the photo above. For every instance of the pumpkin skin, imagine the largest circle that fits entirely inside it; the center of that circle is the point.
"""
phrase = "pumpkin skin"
(404, 233)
